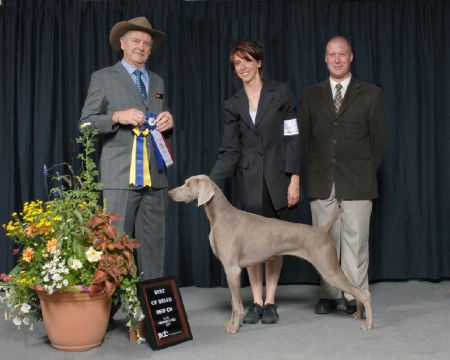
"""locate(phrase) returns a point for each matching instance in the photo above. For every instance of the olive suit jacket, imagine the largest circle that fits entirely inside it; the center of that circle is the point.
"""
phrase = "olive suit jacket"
(260, 151)
(112, 89)
(344, 148)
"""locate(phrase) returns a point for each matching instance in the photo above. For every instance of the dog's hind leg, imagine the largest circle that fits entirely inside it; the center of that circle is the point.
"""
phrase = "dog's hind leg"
(234, 283)
(326, 263)
(340, 281)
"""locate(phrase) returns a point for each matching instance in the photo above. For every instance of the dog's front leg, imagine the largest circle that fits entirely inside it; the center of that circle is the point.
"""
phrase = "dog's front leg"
(365, 309)
(234, 284)
(358, 315)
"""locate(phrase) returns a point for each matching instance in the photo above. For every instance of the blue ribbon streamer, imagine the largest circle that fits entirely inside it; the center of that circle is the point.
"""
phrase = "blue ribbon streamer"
(151, 124)
(140, 143)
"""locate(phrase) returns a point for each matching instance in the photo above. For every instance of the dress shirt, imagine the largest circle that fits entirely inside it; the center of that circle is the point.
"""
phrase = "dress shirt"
(130, 69)
(343, 83)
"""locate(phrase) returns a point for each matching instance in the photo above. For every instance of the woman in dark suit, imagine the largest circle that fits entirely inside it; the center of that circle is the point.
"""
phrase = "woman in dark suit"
(260, 145)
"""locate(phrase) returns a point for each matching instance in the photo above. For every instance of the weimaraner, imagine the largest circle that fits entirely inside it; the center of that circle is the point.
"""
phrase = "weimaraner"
(240, 239)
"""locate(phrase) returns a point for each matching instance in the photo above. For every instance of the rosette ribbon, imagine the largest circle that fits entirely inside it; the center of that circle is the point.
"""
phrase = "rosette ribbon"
(162, 151)
(139, 167)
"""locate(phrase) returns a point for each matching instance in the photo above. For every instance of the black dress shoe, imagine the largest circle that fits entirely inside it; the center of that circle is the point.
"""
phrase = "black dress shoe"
(254, 314)
(351, 307)
(325, 306)
(270, 315)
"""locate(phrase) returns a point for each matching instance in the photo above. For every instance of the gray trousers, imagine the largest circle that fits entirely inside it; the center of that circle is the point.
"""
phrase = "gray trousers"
(350, 234)
(144, 217)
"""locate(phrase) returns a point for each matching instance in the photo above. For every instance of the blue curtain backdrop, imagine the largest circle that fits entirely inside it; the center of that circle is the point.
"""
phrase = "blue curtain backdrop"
(49, 49)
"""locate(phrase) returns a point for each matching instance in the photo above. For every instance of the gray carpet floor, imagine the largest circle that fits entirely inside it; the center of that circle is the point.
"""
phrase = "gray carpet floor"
(412, 321)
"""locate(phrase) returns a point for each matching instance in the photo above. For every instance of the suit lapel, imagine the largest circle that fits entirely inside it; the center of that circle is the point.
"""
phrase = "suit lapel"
(326, 97)
(266, 97)
(350, 95)
(125, 79)
(242, 107)
(151, 93)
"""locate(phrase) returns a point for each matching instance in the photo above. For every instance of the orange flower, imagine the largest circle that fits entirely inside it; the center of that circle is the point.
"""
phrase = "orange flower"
(51, 245)
(30, 230)
(27, 254)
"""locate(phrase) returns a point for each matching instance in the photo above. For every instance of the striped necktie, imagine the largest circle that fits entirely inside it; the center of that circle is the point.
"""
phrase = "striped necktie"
(338, 98)
(140, 85)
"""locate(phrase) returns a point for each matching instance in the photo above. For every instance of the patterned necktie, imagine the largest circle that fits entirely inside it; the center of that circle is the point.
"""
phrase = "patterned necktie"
(338, 98)
(140, 85)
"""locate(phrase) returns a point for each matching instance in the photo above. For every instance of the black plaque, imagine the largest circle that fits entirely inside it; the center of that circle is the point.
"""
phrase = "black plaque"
(165, 317)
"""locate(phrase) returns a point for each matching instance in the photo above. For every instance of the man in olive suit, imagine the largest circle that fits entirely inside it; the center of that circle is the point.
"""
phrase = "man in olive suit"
(345, 133)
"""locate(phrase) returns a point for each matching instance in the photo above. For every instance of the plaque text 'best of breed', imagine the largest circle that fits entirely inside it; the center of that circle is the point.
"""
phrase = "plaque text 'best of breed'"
(166, 321)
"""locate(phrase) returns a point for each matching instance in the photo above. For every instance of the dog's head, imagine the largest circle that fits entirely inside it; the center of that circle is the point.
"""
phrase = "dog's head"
(200, 188)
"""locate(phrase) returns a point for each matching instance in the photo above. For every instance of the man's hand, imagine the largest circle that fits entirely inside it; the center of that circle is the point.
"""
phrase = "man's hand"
(131, 116)
(164, 121)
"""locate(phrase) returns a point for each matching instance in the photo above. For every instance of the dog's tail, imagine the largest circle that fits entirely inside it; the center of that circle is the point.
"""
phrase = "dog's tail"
(327, 227)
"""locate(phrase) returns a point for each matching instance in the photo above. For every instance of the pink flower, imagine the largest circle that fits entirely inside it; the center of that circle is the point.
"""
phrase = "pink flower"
(30, 230)
(4, 277)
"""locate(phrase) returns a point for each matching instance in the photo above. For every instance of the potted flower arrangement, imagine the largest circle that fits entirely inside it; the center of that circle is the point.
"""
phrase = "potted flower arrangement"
(69, 244)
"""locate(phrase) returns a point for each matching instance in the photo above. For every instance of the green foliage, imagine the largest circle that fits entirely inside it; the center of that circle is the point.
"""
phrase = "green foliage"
(69, 241)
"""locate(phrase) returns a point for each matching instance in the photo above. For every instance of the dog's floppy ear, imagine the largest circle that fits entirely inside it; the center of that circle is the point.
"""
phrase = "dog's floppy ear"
(205, 190)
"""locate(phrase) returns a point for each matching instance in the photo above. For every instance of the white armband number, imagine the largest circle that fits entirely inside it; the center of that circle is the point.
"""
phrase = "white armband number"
(290, 127)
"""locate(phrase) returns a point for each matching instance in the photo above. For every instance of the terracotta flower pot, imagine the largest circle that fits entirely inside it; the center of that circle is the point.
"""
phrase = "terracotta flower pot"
(74, 322)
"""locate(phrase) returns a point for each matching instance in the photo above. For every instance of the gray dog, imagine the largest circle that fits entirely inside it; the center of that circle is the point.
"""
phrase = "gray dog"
(240, 239)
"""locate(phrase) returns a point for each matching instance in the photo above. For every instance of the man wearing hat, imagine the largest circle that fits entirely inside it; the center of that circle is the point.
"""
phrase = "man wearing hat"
(134, 183)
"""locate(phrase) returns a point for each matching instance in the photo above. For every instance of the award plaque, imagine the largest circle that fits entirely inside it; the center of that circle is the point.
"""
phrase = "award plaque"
(165, 316)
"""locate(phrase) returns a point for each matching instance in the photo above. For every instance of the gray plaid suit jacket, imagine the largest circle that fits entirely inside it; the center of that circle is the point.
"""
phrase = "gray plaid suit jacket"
(112, 89)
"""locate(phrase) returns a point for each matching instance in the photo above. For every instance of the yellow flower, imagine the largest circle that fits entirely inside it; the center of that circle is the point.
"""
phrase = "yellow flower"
(10, 227)
(27, 254)
(51, 245)
(57, 218)
(82, 204)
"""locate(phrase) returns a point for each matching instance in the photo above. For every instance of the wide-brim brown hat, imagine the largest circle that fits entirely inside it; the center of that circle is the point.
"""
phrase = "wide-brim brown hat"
(139, 23)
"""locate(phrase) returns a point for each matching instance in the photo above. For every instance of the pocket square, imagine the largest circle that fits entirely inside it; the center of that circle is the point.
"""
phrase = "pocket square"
(159, 95)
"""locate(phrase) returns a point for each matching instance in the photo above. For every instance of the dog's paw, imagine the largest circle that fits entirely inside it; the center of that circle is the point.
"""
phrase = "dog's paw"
(231, 328)
(366, 326)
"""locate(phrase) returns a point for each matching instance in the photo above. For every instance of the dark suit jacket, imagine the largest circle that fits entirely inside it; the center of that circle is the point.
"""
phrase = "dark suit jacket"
(112, 89)
(345, 148)
(259, 151)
